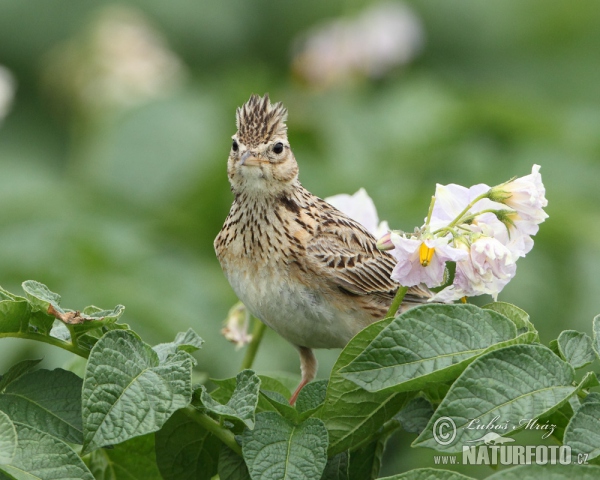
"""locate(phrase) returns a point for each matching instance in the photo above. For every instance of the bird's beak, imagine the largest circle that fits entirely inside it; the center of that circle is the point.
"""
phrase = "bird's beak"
(249, 159)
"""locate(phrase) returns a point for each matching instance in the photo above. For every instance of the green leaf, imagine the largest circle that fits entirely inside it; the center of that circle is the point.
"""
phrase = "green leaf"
(6, 295)
(96, 319)
(242, 404)
(44, 457)
(337, 468)
(17, 371)
(436, 392)
(46, 307)
(596, 328)
(350, 413)
(502, 387)
(14, 316)
(127, 392)
(583, 431)
(186, 451)
(592, 397)
(8, 439)
(429, 343)
(279, 450)
(365, 462)
(40, 297)
(48, 400)
(576, 348)
(548, 472)
(274, 385)
(89, 338)
(560, 418)
(134, 459)
(311, 396)
(279, 393)
(518, 316)
(416, 415)
(232, 466)
(553, 345)
(279, 403)
(429, 474)
(188, 341)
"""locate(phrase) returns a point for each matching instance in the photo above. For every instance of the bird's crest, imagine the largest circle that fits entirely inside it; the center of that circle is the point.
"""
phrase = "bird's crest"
(258, 120)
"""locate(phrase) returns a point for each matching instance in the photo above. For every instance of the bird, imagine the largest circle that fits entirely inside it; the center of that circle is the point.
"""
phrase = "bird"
(301, 266)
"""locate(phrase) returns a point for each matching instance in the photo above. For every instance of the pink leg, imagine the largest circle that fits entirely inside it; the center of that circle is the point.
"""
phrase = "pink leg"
(308, 367)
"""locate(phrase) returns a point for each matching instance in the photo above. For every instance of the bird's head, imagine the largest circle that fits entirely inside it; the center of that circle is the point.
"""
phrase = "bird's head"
(260, 160)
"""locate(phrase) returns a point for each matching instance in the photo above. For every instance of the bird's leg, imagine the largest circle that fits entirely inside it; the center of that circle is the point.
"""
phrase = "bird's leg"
(308, 367)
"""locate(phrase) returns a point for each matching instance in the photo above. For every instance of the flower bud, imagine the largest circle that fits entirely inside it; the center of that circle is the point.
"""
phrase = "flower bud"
(385, 242)
(526, 195)
(236, 326)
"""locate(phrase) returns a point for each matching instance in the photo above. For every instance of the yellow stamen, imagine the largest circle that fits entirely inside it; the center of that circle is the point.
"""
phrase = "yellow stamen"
(425, 254)
(463, 299)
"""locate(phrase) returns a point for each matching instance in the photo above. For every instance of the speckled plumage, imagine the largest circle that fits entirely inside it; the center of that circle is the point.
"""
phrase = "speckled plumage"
(304, 268)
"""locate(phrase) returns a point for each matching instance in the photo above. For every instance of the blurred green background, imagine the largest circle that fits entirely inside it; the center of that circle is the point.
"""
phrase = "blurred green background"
(113, 154)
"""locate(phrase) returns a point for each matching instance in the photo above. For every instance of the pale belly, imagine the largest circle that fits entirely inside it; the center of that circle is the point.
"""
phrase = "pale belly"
(301, 315)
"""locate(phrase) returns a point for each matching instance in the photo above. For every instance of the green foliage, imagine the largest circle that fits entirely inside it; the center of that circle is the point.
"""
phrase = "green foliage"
(576, 348)
(242, 404)
(428, 474)
(277, 448)
(134, 459)
(135, 414)
(8, 439)
(185, 450)
(583, 431)
(430, 344)
(514, 383)
(44, 457)
(232, 466)
(49, 400)
(350, 413)
(123, 372)
(337, 468)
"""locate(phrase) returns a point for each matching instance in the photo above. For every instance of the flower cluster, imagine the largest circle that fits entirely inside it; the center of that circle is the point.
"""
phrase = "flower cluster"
(483, 229)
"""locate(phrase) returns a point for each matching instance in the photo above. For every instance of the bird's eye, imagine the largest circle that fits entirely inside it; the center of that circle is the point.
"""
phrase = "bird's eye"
(278, 148)
(234, 146)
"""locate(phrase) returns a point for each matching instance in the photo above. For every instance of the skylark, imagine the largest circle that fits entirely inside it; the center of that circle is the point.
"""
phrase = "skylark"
(301, 266)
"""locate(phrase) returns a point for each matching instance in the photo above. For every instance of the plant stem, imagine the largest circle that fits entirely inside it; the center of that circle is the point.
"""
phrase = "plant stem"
(467, 208)
(396, 302)
(77, 350)
(206, 422)
(430, 210)
(257, 335)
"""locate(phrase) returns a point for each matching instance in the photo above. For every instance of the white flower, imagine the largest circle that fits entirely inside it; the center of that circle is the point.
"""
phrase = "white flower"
(516, 240)
(7, 91)
(384, 36)
(487, 269)
(236, 326)
(360, 207)
(422, 260)
(526, 195)
(493, 266)
(452, 199)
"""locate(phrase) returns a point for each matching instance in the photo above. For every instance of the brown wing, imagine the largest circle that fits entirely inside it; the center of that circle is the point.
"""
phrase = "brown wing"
(346, 254)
